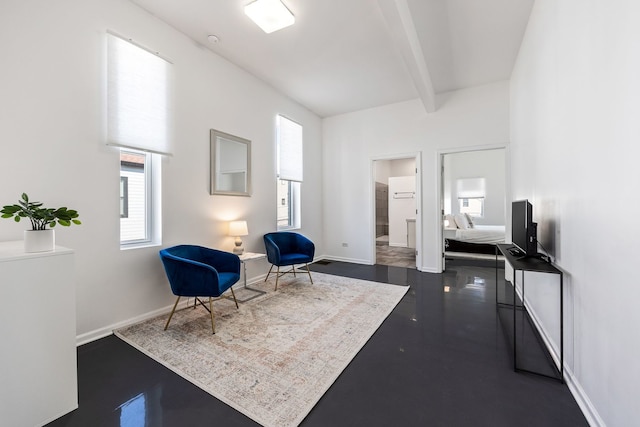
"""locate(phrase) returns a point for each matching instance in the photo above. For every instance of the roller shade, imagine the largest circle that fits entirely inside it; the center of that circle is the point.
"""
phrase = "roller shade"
(289, 150)
(138, 89)
(470, 188)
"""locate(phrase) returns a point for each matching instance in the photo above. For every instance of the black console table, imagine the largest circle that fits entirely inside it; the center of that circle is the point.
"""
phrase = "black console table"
(532, 264)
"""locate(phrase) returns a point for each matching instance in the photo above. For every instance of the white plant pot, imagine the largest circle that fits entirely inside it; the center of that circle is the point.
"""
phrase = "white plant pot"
(39, 240)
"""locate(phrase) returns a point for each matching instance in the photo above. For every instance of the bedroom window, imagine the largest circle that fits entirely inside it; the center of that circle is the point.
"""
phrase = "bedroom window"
(470, 193)
(474, 206)
(289, 182)
(138, 124)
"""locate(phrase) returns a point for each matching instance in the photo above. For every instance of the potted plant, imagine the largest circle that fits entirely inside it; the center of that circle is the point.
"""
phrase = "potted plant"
(39, 238)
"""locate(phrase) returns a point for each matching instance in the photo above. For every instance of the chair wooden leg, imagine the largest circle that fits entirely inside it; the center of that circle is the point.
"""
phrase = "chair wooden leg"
(213, 322)
(266, 278)
(171, 315)
(293, 268)
(234, 297)
(309, 272)
(277, 277)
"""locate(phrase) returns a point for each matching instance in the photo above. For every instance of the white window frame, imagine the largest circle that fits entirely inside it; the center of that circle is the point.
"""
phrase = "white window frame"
(295, 186)
(293, 222)
(473, 214)
(153, 211)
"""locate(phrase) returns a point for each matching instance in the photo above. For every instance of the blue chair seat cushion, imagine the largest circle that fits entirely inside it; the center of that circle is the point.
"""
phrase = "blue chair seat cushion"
(290, 259)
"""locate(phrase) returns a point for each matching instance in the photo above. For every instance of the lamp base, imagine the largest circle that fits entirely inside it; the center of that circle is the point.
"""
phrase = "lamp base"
(238, 250)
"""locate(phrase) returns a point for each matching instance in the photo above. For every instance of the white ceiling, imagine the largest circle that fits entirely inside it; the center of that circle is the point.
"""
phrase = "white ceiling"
(347, 55)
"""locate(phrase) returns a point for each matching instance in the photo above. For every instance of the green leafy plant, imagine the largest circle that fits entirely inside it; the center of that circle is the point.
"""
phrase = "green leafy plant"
(40, 217)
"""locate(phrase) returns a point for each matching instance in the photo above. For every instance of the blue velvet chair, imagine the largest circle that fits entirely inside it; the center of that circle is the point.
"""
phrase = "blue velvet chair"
(285, 248)
(195, 271)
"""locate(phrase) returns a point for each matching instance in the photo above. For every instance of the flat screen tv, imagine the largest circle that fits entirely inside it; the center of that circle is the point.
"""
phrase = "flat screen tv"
(523, 229)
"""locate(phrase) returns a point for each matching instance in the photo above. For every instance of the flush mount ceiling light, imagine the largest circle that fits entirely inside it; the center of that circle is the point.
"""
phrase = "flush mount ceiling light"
(270, 15)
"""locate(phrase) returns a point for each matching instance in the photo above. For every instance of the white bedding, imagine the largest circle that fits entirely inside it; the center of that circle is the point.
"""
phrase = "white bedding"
(477, 234)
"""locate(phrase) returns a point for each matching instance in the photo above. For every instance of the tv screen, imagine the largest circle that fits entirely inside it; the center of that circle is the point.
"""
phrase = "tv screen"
(523, 229)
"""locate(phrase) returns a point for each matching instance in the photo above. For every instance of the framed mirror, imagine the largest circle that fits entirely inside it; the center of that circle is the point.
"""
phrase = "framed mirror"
(230, 164)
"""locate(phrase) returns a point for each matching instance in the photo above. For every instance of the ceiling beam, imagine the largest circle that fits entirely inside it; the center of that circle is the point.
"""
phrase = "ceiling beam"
(403, 33)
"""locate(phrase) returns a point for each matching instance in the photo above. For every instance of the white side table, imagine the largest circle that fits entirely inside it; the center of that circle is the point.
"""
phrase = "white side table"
(250, 256)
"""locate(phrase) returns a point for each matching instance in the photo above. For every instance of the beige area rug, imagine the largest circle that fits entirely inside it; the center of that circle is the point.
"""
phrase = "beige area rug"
(276, 356)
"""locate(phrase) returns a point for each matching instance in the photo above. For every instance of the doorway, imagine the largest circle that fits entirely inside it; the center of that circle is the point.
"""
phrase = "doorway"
(396, 204)
(473, 194)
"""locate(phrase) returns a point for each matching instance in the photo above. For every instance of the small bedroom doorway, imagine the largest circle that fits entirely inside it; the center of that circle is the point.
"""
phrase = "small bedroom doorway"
(473, 194)
(395, 211)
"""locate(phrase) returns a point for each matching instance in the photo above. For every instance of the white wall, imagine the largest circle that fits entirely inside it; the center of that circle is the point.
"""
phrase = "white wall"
(52, 134)
(466, 118)
(384, 169)
(487, 164)
(402, 167)
(574, 130)
(401, 207)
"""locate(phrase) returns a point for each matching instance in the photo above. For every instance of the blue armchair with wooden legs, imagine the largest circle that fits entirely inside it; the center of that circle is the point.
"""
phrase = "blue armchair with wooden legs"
(196, 271)
(285, 248)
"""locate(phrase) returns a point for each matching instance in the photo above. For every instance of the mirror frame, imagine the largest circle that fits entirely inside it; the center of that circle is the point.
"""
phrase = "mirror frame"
(215, 138)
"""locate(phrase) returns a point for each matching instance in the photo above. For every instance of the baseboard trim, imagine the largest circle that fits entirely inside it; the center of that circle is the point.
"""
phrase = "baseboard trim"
(397, 245)
(108, 330)
(584, 403)
(341, 259)
(582, 399)
(429, 270)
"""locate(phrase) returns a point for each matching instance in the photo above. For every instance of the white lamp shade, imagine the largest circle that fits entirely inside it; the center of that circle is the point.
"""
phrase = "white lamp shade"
(238, 228)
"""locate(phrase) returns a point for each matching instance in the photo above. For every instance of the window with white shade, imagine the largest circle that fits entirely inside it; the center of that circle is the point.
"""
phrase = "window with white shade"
(138, 123)
(138, 97)
(290, 173)
(471, 194)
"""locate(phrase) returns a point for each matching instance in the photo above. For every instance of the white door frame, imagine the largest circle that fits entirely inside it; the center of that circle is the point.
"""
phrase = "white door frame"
(440, 164)
(417, 155)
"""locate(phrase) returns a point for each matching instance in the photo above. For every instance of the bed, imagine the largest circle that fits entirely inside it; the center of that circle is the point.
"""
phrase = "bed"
(465, 236)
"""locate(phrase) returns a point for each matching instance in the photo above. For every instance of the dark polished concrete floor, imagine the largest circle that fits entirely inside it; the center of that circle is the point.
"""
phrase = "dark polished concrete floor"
(442, 358)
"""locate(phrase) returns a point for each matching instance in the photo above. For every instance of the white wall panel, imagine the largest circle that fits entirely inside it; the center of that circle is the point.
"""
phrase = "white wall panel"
(574, 127)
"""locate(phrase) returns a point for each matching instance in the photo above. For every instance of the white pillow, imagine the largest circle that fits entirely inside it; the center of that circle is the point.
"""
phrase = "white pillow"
(461, 221)
(451, 220)
(470, 220)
